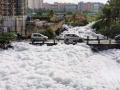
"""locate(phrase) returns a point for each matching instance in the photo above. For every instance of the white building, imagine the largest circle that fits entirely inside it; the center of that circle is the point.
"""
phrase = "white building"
(35, 4)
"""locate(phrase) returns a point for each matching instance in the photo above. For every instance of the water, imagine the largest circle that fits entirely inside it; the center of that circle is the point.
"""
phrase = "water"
(60, 67)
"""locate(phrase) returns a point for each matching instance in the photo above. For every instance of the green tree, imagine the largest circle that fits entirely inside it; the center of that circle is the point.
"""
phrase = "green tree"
(50, 13)
(6, 37)
(109, 19)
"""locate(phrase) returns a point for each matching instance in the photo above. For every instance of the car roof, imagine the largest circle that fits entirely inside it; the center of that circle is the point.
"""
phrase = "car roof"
(118, 35)
(70, 34)
(36, 33)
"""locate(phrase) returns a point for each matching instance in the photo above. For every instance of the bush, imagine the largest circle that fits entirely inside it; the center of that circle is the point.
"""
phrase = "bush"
(41, 18)
(6, 37)
(49, 33)
(110, 31)
(115, 30)
(99, 25)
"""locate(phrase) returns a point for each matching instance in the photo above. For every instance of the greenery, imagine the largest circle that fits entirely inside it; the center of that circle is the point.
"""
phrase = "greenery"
(6, 37)
(76, 19)
(49, 33)
(109, 20)
(51, 13)
(48, 15)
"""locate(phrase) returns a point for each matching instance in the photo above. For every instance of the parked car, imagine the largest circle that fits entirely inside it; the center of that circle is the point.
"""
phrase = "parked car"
(72, 39)
(117, 38)
(36, 37)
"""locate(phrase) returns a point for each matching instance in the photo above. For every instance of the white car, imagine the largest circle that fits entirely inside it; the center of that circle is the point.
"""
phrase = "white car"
(117, 38)
(36, 37)
(72, 39)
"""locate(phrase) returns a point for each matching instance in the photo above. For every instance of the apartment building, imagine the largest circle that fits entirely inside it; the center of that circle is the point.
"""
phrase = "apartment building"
(60, 6)
(90, 7)
(13, 14)
(35, 4)
(97, 7)
(71, 7)
(13, 7)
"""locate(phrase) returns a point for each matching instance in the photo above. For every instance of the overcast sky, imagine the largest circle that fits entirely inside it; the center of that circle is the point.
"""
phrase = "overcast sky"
(74, 1)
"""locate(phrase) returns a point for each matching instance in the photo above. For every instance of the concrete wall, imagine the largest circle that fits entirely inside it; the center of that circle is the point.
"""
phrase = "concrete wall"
(14, 23)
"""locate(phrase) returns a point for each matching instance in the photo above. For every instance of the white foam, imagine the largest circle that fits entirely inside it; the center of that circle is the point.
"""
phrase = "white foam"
(60, 67)
(83, 32)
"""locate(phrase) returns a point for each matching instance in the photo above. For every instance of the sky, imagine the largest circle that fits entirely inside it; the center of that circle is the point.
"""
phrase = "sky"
(74, 1)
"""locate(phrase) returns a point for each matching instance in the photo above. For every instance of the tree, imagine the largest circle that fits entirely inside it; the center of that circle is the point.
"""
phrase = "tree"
(74, 17)
(50, 13)
(109, 19)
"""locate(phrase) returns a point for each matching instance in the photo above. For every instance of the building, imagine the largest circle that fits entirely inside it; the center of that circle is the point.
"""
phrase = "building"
(60, 6)
(13, 14)
(46, 6)
(71, 7)
(35, 4)
(97, 7)
(54, 7)
(85, 7)
(13, 7)
(90, 7)
(81, 6)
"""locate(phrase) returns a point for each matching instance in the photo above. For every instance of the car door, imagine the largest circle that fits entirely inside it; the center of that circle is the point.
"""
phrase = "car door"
(76, 37)
(71, 36)
(40, 37)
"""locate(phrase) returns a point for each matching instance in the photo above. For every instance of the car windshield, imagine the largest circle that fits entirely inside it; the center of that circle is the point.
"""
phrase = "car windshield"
(68, 34)
(71, 35)
(75, 35)
(37, 35)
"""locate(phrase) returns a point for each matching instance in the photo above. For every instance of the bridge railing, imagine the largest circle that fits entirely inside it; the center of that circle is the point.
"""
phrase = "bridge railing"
(98, 40)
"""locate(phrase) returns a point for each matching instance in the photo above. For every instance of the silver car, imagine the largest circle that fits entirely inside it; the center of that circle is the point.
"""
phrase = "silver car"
(117, 38)
(72, 39)
(36, 37)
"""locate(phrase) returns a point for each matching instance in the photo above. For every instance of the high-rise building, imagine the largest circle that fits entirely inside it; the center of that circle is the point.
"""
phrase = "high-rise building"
(13, 7)
(35, 4)
(13, 15)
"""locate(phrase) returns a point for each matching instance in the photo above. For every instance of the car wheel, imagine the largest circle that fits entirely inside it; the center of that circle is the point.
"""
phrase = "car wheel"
(66, 41)
(80, 40)
(32, 41)
(74, 42)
